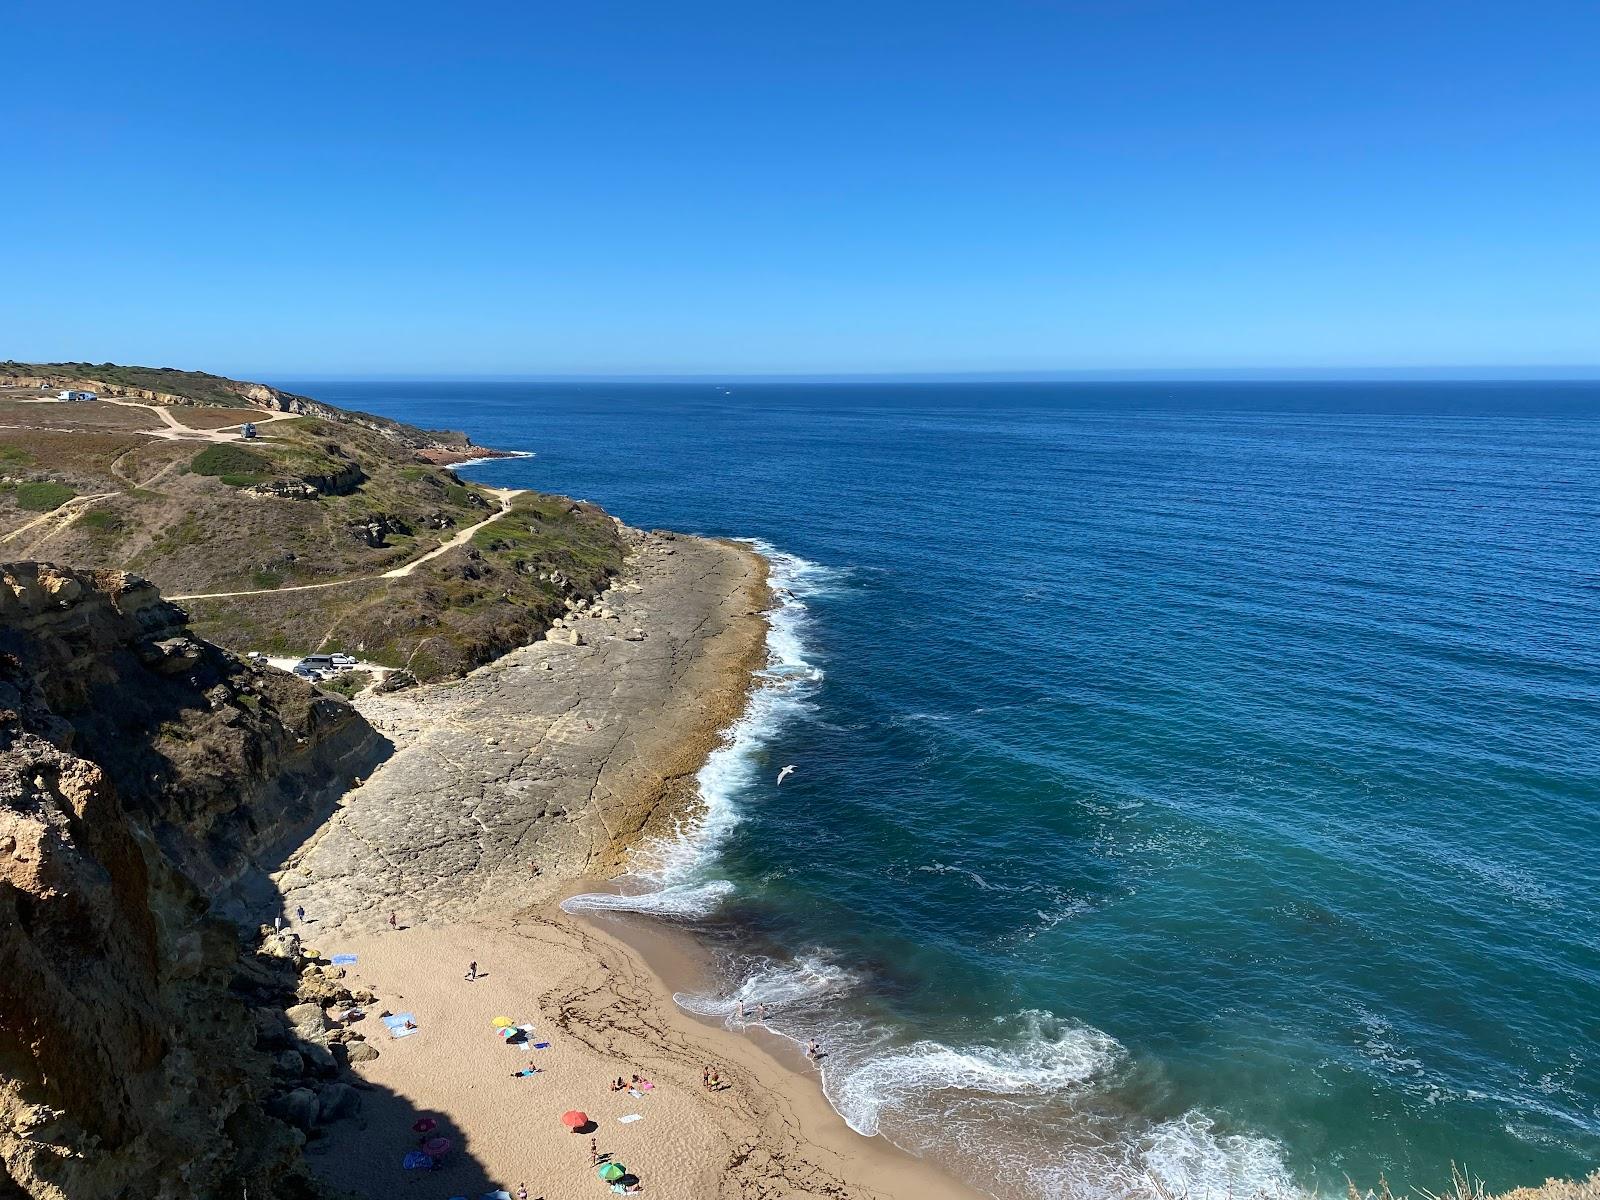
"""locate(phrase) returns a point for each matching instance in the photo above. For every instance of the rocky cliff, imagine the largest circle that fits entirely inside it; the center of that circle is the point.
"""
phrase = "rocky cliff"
(141, 771)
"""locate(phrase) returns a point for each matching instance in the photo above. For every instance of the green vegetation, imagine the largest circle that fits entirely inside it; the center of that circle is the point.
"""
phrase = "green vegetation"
(100, 521)
(14, 456)
(234, 465)
(348, 683)
(45, 496)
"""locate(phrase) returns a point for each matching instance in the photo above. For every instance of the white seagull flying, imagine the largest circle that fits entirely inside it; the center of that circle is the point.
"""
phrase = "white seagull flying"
(785, 773)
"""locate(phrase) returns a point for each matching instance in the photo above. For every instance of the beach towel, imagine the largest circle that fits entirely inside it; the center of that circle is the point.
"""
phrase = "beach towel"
(541, 1045)
(397, 1024)
(636, 1093)
(629, 1119)
(497, 1196)
(343, 960)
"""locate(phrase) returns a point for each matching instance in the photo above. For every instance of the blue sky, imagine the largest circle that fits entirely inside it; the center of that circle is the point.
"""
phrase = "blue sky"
(833, 187)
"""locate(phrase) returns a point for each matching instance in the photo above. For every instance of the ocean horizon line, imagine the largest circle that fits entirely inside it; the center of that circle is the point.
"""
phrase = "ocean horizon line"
(1195, 375)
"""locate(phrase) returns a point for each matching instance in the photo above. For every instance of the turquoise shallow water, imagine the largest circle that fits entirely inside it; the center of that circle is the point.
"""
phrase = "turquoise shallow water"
(1193, 782)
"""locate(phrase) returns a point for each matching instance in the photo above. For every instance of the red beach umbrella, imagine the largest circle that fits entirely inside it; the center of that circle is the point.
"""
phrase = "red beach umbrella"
(574, 1119)
(437, 1147)
(424, 1125)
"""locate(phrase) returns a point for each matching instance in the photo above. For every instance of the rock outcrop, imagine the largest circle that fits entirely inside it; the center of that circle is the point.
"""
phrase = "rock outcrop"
(142, 770)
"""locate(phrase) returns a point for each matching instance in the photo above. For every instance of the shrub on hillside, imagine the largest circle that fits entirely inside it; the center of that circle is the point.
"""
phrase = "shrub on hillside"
(43, 497)
(236, 465)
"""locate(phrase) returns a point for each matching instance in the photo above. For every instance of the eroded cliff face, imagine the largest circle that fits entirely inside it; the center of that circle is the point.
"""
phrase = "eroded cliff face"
(140, 771)
(220, 759)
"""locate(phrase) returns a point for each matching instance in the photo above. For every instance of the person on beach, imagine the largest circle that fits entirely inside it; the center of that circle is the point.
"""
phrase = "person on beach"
(300, 914)
(594, 1152)
(705, 1078)
(277, 924)
(741, 1010)
(394, 920)
(522, 1191)
(813, 1050)
(472, 972)
(716, 1081)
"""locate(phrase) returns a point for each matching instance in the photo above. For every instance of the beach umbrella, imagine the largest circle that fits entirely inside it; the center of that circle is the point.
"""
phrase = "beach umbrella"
(416, 1160)
(574, 1119)
(438, 1147)
(424, 1125)
(502, 1022)
(611, 1172)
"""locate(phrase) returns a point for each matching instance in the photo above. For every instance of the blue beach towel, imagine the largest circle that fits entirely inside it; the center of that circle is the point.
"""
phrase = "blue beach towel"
(343, 960)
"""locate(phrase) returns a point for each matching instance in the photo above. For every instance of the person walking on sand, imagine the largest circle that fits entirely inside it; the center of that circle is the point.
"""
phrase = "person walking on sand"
(522, 1191)
(394, 920)
(300, 914)
(472, 972)
(594, 1152)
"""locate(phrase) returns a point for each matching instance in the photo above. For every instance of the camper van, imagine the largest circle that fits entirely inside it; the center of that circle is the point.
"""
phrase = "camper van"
(74, 394)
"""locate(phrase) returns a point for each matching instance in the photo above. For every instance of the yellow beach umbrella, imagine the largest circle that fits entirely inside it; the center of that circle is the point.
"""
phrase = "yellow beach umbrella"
(503, 1022)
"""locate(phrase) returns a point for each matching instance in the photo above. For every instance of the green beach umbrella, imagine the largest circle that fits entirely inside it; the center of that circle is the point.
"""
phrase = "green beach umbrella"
(612, 1171)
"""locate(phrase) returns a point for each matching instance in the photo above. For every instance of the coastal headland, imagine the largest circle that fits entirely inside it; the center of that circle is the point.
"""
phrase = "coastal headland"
(552, 681)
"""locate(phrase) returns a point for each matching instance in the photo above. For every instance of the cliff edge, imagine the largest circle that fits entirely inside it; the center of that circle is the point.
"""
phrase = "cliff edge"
(140, 770)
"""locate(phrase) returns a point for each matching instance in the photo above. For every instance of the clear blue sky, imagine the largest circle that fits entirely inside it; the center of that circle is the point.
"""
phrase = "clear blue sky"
(776, 186)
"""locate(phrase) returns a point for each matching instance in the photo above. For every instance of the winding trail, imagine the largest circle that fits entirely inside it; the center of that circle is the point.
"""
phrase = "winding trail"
(504, 495)
(71, 510)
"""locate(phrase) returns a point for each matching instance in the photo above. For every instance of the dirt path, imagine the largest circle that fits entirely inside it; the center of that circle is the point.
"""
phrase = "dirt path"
(504, 495)
(176, 429)
(71, 510)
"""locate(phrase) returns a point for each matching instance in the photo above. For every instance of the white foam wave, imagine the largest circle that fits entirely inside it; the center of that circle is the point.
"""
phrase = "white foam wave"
(667, 876)
(773, 989)
(686, 901)
(1046, 1056)
(504, 456)
(1188, 1157)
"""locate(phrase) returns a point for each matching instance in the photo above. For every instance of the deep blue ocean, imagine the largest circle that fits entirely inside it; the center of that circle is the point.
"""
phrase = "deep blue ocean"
(1197, 783)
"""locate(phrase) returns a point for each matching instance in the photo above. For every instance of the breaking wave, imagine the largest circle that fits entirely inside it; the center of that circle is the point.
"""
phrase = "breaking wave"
(668, 874)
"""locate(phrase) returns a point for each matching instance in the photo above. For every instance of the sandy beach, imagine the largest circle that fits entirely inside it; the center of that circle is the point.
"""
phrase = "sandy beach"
(528, 780)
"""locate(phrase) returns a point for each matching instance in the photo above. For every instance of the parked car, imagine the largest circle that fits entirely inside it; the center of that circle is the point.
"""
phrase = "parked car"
(343, 661)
